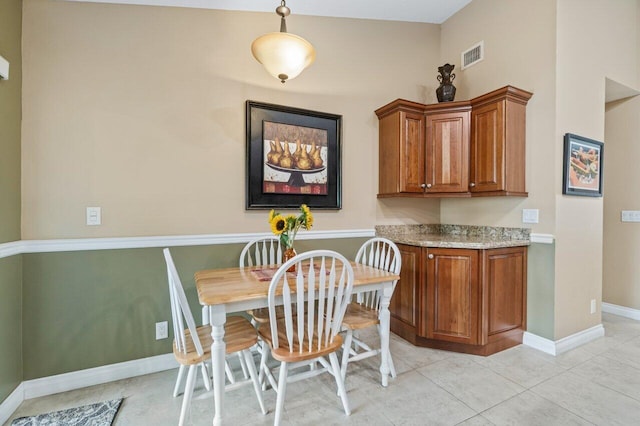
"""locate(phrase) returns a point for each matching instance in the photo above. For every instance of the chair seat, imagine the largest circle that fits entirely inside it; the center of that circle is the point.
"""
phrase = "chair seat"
(261, 315)
(239, 335)
(359, 316)
(284, 354)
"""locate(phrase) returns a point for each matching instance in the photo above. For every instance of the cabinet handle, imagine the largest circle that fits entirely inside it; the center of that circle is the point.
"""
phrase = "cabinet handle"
(423, 186)
(472, 184)
(430, 256)
(428, 185)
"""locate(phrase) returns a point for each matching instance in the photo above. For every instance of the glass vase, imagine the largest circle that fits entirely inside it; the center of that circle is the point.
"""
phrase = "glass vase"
(288, 254)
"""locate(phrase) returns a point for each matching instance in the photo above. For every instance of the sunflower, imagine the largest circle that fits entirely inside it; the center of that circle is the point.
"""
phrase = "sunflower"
(308, 217)
(278, 224)
(287, 226)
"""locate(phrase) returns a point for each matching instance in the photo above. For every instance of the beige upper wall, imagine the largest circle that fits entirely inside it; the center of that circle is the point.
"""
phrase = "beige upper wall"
(140, 110)
(596, 39)
(520, 51)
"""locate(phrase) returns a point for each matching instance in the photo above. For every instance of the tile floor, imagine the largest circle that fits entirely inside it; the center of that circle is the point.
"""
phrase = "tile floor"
(598, 383)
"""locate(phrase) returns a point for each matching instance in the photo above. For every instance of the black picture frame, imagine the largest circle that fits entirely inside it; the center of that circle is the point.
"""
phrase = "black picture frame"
(582, 166)
(272, 181)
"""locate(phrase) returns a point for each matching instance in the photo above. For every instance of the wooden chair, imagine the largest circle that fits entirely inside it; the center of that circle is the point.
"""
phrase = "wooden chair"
(192, 345)
(314, 300)
(261, 252)
(362, 313)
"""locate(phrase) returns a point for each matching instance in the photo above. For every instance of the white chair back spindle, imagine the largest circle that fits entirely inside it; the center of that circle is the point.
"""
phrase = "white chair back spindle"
(262, 252)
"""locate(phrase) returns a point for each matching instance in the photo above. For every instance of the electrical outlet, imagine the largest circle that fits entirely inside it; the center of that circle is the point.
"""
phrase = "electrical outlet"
(593, 306)
(162, 330)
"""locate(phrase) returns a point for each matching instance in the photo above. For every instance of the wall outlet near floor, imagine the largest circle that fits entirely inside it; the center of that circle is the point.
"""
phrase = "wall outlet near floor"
(162, 330)
(530, 215)
(593, 306)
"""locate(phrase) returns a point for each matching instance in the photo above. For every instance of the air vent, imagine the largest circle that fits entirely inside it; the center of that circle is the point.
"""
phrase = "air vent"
(472, 55)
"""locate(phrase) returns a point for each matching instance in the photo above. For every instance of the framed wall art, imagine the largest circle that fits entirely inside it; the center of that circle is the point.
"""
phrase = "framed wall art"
(293, 157)
(582, 166)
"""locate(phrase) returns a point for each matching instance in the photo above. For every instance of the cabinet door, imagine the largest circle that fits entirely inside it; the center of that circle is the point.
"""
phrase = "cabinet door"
(447, 158)
(487, 148)
(412, 141)
(505, 278)
(451, 303)
(403, 306)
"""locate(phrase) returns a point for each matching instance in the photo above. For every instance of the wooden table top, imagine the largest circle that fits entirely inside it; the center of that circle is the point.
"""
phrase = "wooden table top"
(220, 286)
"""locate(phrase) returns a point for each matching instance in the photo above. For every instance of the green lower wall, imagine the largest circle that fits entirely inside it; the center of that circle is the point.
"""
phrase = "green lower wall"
(10, 324)
(92, 308)
(540, 290)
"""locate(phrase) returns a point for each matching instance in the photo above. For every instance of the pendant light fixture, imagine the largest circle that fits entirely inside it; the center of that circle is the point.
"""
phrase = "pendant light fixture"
(282, 54)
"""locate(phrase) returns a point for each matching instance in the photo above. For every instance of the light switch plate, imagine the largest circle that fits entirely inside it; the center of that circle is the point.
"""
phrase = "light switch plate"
(94, 216)
(530, 215)
(630, 216)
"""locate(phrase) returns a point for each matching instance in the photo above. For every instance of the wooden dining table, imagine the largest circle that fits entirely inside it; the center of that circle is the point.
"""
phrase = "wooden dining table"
(240, 288)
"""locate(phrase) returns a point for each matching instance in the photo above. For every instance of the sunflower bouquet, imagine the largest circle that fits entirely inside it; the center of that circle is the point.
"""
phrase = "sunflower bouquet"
(286, 227)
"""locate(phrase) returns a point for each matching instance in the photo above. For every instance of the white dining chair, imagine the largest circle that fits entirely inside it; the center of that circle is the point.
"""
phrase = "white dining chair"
(263, 251)
(363, 311)
(192, 345)
(314, 300)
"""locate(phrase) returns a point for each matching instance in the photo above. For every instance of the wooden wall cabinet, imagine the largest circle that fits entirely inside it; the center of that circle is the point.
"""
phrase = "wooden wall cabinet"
(454, 149)
(498, 143)
(447, 153)
(401, 160)
(464, 300)
(424, 149)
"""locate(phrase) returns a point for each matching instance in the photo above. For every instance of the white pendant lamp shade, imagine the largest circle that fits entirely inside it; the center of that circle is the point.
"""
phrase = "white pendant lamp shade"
(283, 55)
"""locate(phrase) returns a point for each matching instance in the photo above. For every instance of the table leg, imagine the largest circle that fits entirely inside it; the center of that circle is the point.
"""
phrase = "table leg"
(218, 349)
(385, 325)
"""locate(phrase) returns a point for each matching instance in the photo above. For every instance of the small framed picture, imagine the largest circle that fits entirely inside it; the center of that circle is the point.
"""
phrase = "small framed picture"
(293, 157)
(582, 166)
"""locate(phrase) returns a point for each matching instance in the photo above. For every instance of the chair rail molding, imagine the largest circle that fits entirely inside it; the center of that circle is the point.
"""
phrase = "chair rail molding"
(542, 238)
(11, 249)
(85, 244)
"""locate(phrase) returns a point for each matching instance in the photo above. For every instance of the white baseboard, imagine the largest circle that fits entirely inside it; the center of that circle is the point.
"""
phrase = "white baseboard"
(11, 403)
(565, 344)
(622, 311)
(82, 379)
(96, 376)
(540, 343)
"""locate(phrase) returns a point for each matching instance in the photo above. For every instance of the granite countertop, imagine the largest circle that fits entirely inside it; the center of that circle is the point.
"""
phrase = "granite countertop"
(455, 236)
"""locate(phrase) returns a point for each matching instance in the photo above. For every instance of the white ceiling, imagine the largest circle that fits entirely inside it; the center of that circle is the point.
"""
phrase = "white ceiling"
(429, 11)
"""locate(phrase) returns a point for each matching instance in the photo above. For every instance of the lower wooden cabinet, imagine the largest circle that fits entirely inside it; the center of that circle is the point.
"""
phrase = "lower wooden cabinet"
(463, 300)
(450, 305)
(405, 296)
